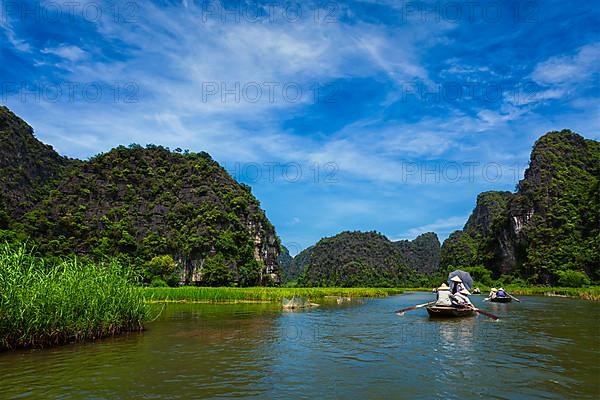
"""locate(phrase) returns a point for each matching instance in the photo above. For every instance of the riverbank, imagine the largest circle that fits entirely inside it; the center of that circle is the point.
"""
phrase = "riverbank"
(275, 294)
(586, 293)
(43, 305)
(591, 293)
(257, 294)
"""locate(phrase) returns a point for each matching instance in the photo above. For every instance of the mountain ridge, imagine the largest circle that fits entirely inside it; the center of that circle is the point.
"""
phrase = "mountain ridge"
(366, 258)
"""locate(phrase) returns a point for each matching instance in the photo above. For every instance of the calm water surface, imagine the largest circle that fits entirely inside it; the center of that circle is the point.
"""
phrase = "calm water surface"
(542, 348)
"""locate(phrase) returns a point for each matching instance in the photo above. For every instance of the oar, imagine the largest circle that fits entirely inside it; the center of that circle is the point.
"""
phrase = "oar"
(401, 312)
(513, 297)
(487, 314)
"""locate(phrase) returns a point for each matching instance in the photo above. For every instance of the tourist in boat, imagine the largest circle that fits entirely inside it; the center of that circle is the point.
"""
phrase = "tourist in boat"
(443, 296)
(476, 291)
(461, 298)
(493, 293)
(456, 285)
(501, 293)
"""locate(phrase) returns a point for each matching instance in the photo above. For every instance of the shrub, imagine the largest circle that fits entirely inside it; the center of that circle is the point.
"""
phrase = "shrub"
(572, 278)
(216, 273)
(162, 268)
(157, 282)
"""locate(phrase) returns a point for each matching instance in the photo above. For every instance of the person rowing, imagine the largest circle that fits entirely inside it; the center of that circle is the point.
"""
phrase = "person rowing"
(456, 285)
(443, 296)
(461, 299)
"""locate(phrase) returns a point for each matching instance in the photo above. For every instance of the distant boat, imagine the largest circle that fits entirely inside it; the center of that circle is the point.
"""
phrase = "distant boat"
(476, 291)
(501, 299)
(449, 312)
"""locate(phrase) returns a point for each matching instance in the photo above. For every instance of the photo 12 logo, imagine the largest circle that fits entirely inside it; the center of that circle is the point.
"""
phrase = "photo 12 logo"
(125, 12)
(271, 92)
(69, 92)
(290, 172)
(469, 11)
(470, 91)
(454, 172)
(253, 12)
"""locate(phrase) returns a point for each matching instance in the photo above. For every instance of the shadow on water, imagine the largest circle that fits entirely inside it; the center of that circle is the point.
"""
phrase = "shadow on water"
(540, 348)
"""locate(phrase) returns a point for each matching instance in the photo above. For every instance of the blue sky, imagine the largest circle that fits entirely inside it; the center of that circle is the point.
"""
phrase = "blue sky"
(362, 115)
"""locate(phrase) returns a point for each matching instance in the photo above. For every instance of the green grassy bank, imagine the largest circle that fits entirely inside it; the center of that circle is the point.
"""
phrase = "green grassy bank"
(43, 305)
(275, 294)
(585, 293)
(266, 294)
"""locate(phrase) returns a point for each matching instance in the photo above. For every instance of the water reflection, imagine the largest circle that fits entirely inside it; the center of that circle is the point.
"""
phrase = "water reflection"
(346, 350)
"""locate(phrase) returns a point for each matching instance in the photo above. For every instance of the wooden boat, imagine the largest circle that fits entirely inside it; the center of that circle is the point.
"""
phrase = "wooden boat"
(449, 312)
(501, 299)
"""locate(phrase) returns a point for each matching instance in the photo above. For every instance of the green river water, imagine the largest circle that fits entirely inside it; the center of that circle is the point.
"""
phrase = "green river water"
(542, 348)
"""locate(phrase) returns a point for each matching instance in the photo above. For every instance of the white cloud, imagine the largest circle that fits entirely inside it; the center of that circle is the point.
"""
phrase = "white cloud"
(440, 226)
(17, 43)
(71, 53)
(572, 68)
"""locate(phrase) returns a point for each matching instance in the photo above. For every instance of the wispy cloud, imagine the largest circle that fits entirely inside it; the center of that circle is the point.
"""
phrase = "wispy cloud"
(19, 44)
(441, 226)
(571, 68)
(70, 53)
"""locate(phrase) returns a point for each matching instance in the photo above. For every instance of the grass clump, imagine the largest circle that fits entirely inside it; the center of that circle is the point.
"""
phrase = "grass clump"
(68, 301)
(585, 293)
(264, 294)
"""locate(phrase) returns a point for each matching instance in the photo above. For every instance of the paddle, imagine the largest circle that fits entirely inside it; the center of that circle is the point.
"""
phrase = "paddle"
(513, 297)
(487, 314)
(401, 312)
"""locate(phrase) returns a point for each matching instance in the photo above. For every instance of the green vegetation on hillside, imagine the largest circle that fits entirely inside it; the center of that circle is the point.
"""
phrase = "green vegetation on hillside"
(548, 232)
(367, 259)
(168, 213)
(421, 254)
(177, 217)
(29, 169)
(354, 259)
(45, 304)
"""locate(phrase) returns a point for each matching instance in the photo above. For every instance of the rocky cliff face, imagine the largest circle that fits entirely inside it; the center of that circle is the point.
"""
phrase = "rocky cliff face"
(136, 203)
(549, 225)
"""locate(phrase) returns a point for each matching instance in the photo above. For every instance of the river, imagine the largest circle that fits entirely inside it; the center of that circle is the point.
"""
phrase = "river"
(541, 348)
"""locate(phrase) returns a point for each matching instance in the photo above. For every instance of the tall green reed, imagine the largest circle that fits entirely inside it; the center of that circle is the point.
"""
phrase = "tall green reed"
(42, 305)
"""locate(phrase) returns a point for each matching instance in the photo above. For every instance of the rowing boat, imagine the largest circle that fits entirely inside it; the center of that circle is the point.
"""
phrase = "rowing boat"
(450, 312)
(501, 299)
